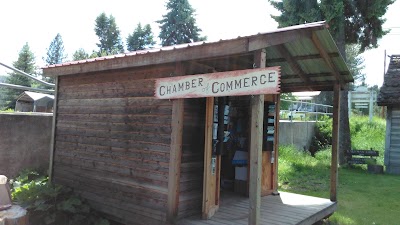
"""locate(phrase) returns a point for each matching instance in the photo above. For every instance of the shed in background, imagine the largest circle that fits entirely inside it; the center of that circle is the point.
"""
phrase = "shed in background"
(389, 95)
(34, 102)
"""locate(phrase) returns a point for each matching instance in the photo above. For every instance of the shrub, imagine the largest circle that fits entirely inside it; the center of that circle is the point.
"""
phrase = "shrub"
(364, 134)
(323, 135)
(51, 204)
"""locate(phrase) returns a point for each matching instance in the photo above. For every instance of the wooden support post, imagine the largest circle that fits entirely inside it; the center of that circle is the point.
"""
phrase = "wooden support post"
(175, 155)
(276, 144)
(209, 179)
(335, 142)
(175, 160)
(53, 131)
(256, 136)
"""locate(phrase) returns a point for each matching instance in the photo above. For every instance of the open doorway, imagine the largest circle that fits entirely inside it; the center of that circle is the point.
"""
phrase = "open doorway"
(227, 147)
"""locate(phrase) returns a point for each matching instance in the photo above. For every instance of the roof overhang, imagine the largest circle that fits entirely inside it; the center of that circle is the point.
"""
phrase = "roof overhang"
(307, 54)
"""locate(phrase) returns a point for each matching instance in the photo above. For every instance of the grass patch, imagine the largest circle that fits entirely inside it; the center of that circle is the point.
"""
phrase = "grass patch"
(363, 198)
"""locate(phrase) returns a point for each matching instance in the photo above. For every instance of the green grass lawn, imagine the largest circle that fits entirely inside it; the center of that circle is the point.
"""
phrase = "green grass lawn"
(363, 198)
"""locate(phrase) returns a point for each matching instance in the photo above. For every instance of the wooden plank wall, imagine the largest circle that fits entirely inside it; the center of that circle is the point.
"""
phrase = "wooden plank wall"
(191, 183)
(112, 142)
(392, 156)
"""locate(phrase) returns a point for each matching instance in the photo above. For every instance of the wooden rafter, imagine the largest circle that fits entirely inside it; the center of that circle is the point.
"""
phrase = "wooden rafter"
(317, 86)
(326, 58)
(303, 57)
(293, 64)
(202, 66)
(313, 75)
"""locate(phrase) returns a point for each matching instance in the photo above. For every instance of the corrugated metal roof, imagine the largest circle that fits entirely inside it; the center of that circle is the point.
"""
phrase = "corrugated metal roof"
(182, 46)
(307, 54)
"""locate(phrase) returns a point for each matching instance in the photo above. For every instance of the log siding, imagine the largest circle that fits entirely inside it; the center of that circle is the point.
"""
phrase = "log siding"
(112, 142)
(191, 182)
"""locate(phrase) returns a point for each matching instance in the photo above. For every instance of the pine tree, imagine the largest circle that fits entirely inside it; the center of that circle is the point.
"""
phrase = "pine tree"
(355, 62)
(26, 63)
(350, 22)
(109, 35)
(141, 38)
(55, 52)
(80, 54)
(178, 26)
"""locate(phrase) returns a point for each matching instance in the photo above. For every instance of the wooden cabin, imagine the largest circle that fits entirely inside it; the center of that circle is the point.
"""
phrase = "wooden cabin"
(189, 132)
(389, 95)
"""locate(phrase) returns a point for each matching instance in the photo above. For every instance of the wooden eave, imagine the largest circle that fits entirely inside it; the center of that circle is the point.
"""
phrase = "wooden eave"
(307, 54)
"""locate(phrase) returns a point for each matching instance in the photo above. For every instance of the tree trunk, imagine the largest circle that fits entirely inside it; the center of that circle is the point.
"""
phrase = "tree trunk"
(344, 128)
(16, 215)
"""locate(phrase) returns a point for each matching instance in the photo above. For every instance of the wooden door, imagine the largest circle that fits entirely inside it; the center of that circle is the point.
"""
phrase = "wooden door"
(211, 167)
(269, 181)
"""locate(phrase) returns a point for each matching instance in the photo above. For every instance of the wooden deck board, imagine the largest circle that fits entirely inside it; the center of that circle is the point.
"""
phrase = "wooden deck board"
(287, 208)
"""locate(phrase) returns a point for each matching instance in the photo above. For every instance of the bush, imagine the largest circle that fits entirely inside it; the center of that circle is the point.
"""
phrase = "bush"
(323, 135)
(364, 135)
(51, 204)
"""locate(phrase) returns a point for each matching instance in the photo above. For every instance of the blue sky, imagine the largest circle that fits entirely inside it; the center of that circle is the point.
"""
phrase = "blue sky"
(38, 22)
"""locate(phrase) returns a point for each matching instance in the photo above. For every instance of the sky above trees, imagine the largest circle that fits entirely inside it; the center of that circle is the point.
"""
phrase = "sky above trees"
(38, 22)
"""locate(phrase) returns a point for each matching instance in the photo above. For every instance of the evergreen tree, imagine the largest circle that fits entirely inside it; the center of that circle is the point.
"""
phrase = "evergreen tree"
(55, 52)
(355, 62)
(178, 26)
(26, 63)
(80, 54)
(351, 22)
(141, 38)
(109, 35)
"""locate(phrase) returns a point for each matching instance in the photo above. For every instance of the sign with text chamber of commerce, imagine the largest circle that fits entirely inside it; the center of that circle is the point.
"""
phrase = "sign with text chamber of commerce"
(231, 83)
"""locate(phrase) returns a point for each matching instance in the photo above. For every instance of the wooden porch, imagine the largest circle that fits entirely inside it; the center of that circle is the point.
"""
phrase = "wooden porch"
(287, 208)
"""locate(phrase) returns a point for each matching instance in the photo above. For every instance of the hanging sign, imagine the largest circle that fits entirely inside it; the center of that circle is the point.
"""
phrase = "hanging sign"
(231, 83)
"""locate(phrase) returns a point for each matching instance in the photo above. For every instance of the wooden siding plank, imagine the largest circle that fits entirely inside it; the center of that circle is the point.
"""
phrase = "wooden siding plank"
(117, 127)
(112, 93)
(152, 110)
(151, 179)
(108, 85)
(125, 182)
(175, 158)
(110, 142)
(122, 136)
(112, 102)
(116, 118)
(126, 75)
